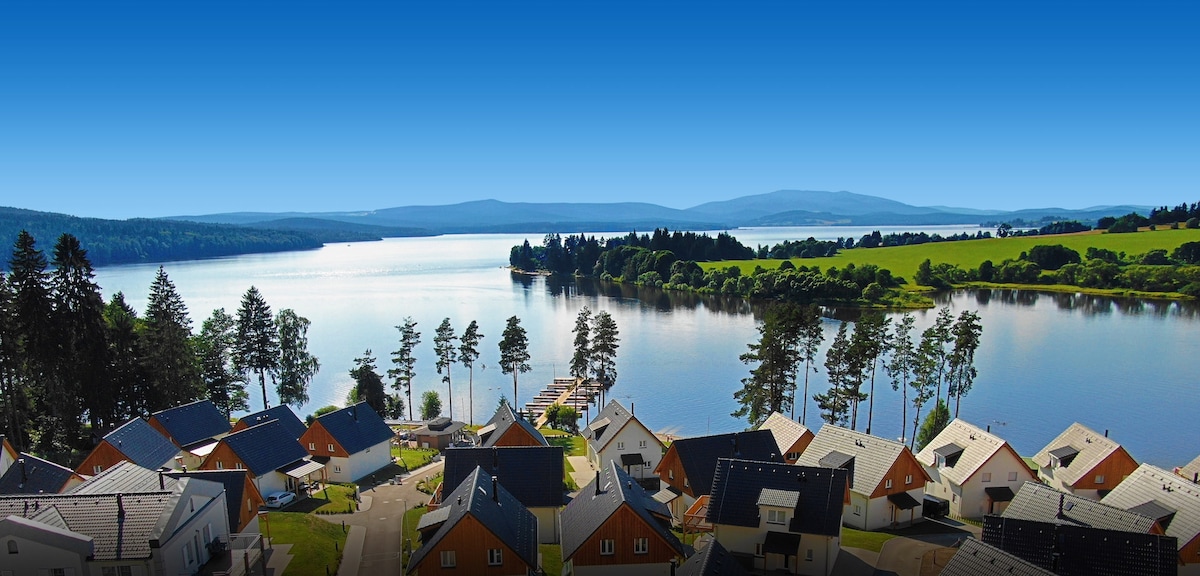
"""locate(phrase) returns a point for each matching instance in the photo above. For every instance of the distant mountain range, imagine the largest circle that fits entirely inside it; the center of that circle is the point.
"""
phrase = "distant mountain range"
(780, 208)
(216, 235)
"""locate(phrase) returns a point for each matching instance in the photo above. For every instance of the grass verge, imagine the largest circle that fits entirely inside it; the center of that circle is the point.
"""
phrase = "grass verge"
(333, 499)
(411, 540)
(872, 541)
(413, 458)
(572, 445)
(316, 544)
(551, 558)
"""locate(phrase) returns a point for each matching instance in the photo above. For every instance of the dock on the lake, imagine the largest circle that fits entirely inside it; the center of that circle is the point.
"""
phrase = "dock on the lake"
(574, 392)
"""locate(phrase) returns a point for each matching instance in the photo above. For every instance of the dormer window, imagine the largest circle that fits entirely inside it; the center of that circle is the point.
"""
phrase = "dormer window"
(947, 456)
(1062, 457)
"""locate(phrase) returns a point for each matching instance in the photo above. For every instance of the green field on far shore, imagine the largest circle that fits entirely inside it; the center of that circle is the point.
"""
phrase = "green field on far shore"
(966, 254)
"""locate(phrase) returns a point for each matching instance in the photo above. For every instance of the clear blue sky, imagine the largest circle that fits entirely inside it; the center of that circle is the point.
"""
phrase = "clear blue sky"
(122, 109)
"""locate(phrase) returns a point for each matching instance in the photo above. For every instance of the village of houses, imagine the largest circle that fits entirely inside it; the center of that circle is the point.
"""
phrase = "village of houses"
(183, 493)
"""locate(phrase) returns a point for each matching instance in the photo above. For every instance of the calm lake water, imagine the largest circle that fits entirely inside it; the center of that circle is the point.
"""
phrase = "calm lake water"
(1045, 361)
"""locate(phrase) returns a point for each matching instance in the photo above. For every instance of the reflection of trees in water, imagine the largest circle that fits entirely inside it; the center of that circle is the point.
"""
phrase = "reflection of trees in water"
(661, 300)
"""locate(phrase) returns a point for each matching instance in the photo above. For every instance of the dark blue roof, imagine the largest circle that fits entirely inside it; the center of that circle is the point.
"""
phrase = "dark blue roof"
(533, 474)
(282, 413)
(192, 423)
(699, 455)
(713, 560)
(356, 427)
(493, 507)
(1069, 549)
(37, 476)
(819, 494)
(502, 420)
(266, 447)
(142, 444)
(234, 482)
(603, 496)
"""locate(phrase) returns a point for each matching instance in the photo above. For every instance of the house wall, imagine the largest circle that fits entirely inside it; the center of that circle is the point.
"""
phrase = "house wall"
(371, 459)
(339, 469)
(33, 558)
(136, 567)
(798, 447)
(740, 540)
(629, 440)
(970, 500)
(6, 458)
(1115, 468)
(104, 455)
(623, 527)
(470, 542)
(670, 473)
(272, 482)
(877, 513)
(192, 461)
(436, 442)
(1189, 557)
(317, 440)
(252, 500)
(517, 436)
(222, 458)
(208, 519)
(547, 520)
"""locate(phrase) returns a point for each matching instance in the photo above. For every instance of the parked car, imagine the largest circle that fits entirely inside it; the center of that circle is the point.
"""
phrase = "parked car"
(279, 499)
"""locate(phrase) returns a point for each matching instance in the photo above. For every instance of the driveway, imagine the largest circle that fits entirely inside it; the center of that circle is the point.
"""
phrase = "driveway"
(901, 556)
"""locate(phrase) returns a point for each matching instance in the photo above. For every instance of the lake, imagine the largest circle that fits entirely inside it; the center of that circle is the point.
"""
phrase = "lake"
(1045, 361)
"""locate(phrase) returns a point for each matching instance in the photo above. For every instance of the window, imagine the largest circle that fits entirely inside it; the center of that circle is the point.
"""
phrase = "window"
(448, 559)
(908, 480)
(188, 557)
(857, 510)
(776, 516)
(685, 483)
(239, 466)
(249, 505)
(808, 555)
(641, 443)
(495, 556)
(954, 497)
(987, 477)
(620, 445)
(97, 469)
(220, 465)
(793, 455)
(641, 545)
(1099, 478)
(12, 547)
(670, 474)
(607, 547)
(337, 469)
(1012, 476)
(758, 550)
(888, 484)
(312, 446)
(331, 447)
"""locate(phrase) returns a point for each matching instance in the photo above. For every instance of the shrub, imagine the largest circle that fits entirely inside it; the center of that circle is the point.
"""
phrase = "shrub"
(1052, 257)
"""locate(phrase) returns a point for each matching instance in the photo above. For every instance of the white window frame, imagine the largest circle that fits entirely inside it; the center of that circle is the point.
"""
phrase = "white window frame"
(808, 555)
(670, 473)
(641, 443)
(986, 477)
(620, 445)
(495, 557)
(758, 549)
(641, 545)
(857, 510)
(608, 547)
(312, 446)
(1012, 476)
(776, 517)
(887, 484)
(331, 448)
(449, 559)
(337, 469)
(1099, 478)
(97, 469)
(907, 479)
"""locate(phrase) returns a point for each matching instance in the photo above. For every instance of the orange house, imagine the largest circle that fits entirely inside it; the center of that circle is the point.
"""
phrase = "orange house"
(791, 436)
(507, 429)
(135, 441)
(1083, 462)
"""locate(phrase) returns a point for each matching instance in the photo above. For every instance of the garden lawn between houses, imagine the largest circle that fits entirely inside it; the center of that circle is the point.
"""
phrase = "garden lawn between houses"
(967, 254)
(316, 543)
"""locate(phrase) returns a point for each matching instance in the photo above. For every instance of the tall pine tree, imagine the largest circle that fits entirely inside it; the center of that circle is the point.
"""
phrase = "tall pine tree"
(257, 348)
(82, 372)
(169, 361)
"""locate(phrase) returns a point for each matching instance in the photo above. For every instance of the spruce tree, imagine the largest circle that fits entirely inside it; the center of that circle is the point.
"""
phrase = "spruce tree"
(447, 355)
(82, 369)
(514, 351)
(297, 366)
(225, 386)
(404, 372)
(605, 341)
(257, 348)
(173, 373)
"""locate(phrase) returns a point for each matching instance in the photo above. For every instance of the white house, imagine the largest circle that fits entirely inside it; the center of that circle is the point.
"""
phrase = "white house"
(616, 435)
(977, 472)
(1174, 502)
(887, 483)
(1083, 462)
(352, 442)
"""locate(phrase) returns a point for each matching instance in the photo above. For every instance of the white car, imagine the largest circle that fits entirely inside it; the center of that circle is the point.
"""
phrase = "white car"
(279, 499)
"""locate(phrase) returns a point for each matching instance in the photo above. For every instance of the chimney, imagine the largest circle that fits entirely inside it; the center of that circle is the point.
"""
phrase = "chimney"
(495, 492)
(989, 428)
(631, 408)
(1106, 432)
(354, 412)
(736, 451)
(1061, 498)
(1196, 478)
(162, 485)
(120, 506)
(598, 492)
(24, 473)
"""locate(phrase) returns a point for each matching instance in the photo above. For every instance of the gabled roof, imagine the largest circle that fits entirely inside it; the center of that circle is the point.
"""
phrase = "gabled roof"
(815, 495)
(1191, 470)
(976, 446)
(36, 476)
(493, 507)
(356, 427)
(1089, 448)
(1069, 549)
(282, 413)
(193, 422)
(873, 456)
(440, 427)
(534, 473)
(713, 560)
(125, 477)
(785, 430)
(266, 447)
(142, 444)
(97, 516)
(607, 424)
(501, 421)
(699, 455)
(601, 498)
(1040, 503)
(974, 558)
(235, 484)
(1168, 491)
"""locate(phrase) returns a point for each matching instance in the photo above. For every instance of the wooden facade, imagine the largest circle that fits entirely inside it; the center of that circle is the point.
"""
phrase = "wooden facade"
(670, 470)
(104, 455)
(317, 440)
(1115, 467)
(1190, 552)
(224, 458)
(516, 436)
(623, 527)
(154, 423)
(905, 465)
(252, 500)
(798, 447)
(470, 541)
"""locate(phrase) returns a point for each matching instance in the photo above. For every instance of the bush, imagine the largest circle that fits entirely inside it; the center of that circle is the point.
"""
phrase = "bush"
(873, 292)
(1192, 223)
(1052, 257)
(1187, 253)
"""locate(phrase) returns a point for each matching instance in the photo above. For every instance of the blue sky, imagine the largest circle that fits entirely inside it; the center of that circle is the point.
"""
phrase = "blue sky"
(123, 109)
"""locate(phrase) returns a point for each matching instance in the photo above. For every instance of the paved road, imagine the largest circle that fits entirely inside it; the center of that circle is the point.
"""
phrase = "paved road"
(901, 556)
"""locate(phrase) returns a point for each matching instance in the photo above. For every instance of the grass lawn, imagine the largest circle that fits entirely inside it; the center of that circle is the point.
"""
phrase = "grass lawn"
(903, 260)
(411, 518)
(551, 558)
(872, 541)
(431, 485)
(414, 458)
(313, 542)
(337, 498)
(572, 445)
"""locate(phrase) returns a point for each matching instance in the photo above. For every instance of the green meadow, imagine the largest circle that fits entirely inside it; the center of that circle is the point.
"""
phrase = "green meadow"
(966, 254)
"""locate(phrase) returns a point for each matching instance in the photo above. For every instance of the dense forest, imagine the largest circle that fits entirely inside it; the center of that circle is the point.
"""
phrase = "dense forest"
(72, 365)
(152, 240)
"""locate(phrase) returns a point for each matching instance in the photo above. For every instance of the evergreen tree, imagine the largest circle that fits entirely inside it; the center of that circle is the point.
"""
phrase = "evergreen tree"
(581, 361)
(297, 366)
(81, 367)
(257, 349)
(405, 363)
(125, 351)
(967, 331)
(925, 375)
(811, 337)
(605, 341)
(834, 403)
(870, 338)
(942, 326)
(447, 355)
(901, 364)
(368, 384)
(768, 387)
(173, 374)
(431, 405)
(468, 353)
(15, 408)
(35, 347)
(514, 351)
(934, 424)
(214, 346)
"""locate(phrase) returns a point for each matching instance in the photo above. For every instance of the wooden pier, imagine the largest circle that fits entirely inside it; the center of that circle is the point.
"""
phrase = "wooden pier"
(574, 392)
